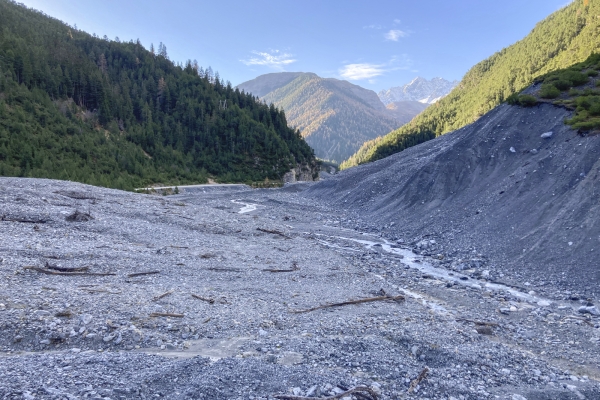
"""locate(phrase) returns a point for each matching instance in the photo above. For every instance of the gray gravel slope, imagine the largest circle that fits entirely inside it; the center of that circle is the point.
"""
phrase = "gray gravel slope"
(529, 204)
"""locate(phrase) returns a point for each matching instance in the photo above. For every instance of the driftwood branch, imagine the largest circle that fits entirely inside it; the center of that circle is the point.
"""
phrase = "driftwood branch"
(345, 303)
(50, 272)
(358, 389)
(24, 220)
(64, 269)
(208, 300)
(295, 267)
(415, 382)
(274, 232)
(478, 323)
(143, 273)
(163, 295)
(162, 314)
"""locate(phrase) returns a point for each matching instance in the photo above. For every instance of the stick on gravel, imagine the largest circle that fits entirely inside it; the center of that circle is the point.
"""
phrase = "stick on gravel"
(24, 220)
(337, 396)
(143, 273)
(345, 303)
(295, 267)
(274, 232)
(163, 295)
(162, 314)
(480, 323)
(211, 301)
(50, 272)
(63, 269)
(418, 380)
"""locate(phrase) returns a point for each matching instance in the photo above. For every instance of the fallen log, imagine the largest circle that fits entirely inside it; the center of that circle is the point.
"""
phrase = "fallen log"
(143, 273)
(163, 295)
(358, 389)
(211, 301)
(50, 272)
(345, 303)
(160, 314)
(274, 232)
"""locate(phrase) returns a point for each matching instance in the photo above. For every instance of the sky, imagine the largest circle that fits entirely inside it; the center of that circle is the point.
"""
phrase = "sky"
(376, 44)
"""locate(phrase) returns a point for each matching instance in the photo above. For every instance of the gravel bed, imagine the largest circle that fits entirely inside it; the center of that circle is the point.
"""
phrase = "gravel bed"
(109, 294)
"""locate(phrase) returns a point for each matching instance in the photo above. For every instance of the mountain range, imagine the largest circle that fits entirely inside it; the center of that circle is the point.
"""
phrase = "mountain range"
(335, 116)
(419, 89)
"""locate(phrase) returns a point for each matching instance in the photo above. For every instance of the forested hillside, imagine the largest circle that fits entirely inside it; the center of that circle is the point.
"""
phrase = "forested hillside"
(566, 37)
(334, 116)
(111, 113)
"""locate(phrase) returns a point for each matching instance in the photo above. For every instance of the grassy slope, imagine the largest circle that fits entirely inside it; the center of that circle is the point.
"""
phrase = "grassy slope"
(566, 37)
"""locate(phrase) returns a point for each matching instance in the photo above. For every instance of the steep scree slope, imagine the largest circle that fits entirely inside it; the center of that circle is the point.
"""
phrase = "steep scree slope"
(496, 187)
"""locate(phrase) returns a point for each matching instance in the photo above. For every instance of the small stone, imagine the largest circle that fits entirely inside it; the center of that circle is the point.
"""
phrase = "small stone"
(512, 150)
(533, 151)
(504, 310)
(589, 310)
(546, 135)
(297, 391)
(518, 397)
(41, 313)
(86, 319)
(484, 330)
(109, 337)
(513, 308)
(170, 346)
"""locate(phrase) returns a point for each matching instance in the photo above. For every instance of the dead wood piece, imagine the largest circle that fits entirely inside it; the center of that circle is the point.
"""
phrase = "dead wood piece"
(163, 295)
(208, 300)
(64, 314)
(65, 269)
(345, 303)
(295, 267)
(479, 323)
(208, 255)
(91, 290)
(143, 273)
(217, 269)
(274, 232)
(415, 382)
(161, 314)
(358, 389)
(78, 217)
(24, 220)
(50, 272)
(179, 247)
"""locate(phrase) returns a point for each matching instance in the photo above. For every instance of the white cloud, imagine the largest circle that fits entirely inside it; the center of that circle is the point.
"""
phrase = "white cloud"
(274, 59)
(368, 71)
(395, 34)
(357, 72)
(373, 26)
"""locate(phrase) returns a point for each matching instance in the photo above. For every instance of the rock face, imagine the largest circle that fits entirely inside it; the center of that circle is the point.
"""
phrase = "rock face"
(501, 186)
(419, 89)
(302, 173)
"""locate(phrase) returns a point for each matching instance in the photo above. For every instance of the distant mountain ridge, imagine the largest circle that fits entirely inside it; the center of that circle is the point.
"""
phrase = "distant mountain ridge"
(419, 89)
(334, 116)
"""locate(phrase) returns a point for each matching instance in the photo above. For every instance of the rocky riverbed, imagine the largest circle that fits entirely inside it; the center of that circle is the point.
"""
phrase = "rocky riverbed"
(228, 294)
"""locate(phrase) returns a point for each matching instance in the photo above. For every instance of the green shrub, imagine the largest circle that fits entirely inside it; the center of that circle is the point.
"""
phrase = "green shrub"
(562, 84)
(574, 92)
(595, 109)
(527, 100)
(549, 91)
(592, 72)
(576, 78)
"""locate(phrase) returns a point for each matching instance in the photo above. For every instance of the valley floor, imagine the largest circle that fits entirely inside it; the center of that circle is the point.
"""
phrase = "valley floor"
(211, 294)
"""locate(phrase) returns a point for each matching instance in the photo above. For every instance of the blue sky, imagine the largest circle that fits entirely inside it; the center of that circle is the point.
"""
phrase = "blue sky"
(376, 44)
